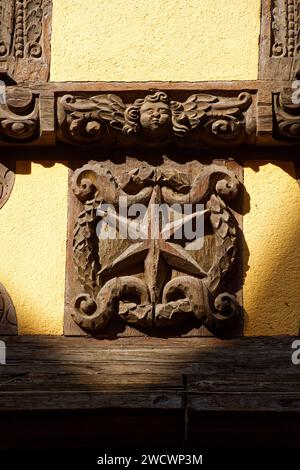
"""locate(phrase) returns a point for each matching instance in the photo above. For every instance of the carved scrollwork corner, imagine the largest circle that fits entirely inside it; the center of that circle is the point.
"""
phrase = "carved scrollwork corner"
(286, 116)
(137, 285)
(155, 120)
(19, 117)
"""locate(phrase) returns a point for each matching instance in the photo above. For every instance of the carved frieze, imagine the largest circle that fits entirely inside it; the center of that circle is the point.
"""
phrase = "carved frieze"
(148, 273)
(25, 39)
(155, 120)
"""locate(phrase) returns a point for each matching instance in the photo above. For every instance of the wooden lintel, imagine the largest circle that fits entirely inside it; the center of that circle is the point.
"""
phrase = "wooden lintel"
(203, 115)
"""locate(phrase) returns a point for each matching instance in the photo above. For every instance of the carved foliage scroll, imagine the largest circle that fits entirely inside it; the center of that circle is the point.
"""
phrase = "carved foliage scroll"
(154, 281)
(8, 321)
(25, 39)
(155, 120)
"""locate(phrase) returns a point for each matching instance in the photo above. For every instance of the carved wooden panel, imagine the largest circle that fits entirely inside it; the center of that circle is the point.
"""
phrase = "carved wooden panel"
(155, 119)
(280, 40)
(147, 275)
(25, 28)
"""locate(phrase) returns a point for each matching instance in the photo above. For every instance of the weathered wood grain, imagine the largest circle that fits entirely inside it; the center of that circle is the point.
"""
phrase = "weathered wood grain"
(201, 374)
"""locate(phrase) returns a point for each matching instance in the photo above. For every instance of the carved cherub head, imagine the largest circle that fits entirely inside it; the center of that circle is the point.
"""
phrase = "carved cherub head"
(156, 116)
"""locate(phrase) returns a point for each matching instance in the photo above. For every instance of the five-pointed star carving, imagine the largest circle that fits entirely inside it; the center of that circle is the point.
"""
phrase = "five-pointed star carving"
(149, 244)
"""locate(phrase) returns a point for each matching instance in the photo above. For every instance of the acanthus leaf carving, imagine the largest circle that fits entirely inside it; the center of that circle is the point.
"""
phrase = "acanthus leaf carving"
(137, 284)
(155, 120)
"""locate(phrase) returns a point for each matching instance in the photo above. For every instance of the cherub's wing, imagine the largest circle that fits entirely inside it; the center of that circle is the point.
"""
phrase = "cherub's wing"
(7, 10)
(110, 108)
(231, 106)
(196, 107)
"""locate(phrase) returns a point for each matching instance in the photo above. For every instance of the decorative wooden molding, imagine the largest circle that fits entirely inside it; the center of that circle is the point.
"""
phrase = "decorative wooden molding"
(201, 115)
(150, 279)
(155, 120)
(280, 40)
(25, 31)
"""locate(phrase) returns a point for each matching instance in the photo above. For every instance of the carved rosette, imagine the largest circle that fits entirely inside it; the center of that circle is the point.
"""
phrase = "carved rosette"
(154, 281)
(19, 117)
(286, 117)
(155, 120)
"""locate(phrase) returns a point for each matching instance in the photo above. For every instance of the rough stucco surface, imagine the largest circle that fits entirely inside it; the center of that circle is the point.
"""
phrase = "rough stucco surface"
(142, 40)
(32, 248)
(272, 233)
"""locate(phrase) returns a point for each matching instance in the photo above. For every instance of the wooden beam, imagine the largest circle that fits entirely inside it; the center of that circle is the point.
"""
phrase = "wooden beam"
(200, 374)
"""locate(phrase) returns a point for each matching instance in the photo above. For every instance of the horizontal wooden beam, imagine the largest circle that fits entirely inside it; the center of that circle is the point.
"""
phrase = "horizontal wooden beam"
(112, 115)
(200, 374)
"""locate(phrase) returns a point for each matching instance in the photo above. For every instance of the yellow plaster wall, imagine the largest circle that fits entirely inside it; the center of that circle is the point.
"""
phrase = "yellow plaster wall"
(32, 246)
(142, 40)
(272, 233)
